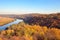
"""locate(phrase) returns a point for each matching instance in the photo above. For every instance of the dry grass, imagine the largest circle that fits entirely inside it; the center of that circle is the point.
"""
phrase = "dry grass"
(5, 20)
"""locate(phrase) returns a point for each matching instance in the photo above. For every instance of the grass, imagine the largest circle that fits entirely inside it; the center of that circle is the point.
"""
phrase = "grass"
(5, 20)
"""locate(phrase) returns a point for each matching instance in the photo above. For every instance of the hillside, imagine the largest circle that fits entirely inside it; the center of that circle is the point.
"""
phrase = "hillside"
(23, 31)
(49, 20)
(34, 27)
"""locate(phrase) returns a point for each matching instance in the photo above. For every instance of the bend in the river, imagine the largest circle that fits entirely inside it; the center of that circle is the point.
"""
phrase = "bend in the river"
(9, 24)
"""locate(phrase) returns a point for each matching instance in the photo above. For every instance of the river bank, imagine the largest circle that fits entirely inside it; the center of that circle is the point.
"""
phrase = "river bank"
(5, 20)
(9, 24)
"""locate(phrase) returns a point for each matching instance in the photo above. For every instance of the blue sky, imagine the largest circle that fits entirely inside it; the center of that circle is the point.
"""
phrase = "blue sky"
(29, 6)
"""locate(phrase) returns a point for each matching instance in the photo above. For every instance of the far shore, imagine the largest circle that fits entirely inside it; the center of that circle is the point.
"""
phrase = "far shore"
(5, 20)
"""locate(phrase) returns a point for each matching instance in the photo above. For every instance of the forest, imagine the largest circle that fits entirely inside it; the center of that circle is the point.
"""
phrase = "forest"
(23, 31)
(45, 27)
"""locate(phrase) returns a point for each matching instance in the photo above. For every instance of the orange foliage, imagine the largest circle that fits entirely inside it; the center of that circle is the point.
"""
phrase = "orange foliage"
(24, 31)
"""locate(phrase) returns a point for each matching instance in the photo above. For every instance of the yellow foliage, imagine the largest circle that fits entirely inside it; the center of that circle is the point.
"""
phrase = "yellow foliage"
(28, 31)
(9, 31)
(0, 38)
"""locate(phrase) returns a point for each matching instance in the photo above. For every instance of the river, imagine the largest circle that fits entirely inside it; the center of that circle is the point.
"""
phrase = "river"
(9, 24)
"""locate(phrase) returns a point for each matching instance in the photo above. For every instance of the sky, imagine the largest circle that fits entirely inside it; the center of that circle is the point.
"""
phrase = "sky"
(29, 6)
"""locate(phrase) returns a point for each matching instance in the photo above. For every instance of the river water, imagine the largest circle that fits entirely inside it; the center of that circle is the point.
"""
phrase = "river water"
(9, 24)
